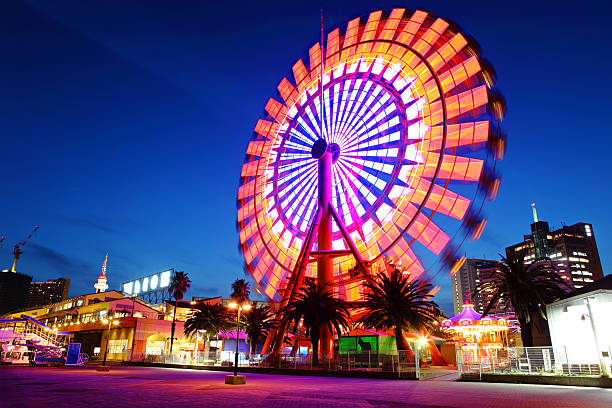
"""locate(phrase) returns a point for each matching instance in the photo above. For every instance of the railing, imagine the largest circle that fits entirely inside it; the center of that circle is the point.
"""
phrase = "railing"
(402, 363)
(28, 328)
(532, 361)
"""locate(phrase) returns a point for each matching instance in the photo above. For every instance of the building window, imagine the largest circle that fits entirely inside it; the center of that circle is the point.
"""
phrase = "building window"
(117, 346)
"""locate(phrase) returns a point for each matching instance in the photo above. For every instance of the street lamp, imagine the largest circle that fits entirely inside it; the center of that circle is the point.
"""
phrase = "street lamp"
(110, 322)
(240, 307)
(133, 302)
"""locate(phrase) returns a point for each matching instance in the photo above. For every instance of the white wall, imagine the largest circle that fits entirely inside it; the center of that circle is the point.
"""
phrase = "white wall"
(569, 331)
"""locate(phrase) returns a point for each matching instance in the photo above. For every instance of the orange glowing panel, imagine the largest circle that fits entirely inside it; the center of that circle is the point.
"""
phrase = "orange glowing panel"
(266, 128)
(453, 167)
(246, 190)
(300, 73)
(315, 62)
(465, 101)
(459, 134)
(440, 57)
(441, 200)
(369, 31)
(288, 92)
(424, 44)
(388, 32)
(411, 28)
(251, 169)
(246, 210)
(428, 234)
(459, 73)
(247, 232)
(276, 109)
(259, 148)
(333, 43)
(352, 30)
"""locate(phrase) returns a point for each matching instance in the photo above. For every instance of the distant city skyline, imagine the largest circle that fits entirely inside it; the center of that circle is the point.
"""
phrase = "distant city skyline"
(125, 127)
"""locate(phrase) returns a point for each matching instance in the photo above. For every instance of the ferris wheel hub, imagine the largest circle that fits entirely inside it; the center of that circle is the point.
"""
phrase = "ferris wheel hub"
(320, 146)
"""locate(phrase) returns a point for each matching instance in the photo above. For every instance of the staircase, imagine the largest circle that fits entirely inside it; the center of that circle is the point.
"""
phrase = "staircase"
(29, 332)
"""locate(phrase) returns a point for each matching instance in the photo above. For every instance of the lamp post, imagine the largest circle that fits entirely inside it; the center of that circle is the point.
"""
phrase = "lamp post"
(110, 322)
(236, 379)
(602, 363)
(133, 303)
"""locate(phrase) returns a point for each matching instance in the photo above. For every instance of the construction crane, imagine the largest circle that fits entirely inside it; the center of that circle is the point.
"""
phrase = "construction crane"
(17, 251)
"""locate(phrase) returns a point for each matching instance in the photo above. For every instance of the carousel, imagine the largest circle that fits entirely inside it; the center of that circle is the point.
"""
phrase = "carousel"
(477, 336)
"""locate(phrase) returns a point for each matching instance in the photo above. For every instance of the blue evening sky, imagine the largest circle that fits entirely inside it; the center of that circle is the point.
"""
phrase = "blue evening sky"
(124, 125)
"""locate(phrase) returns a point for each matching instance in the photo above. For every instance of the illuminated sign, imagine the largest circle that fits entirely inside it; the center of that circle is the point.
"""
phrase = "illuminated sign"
(152, 283)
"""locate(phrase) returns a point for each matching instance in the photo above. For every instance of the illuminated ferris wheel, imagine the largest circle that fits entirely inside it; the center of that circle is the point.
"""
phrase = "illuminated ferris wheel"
(384, 151)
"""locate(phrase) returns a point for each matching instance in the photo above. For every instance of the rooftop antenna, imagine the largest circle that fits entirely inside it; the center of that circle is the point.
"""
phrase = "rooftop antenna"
(535, 212)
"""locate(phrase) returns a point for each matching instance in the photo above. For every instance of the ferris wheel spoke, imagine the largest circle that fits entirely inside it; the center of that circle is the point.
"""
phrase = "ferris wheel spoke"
(313, 132)
(354, 100)
(297, 180)
(370, 109)
(298, 188)
(298, 136)
(303, 201)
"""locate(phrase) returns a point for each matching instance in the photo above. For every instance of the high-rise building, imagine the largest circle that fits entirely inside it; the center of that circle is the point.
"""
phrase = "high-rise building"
(467, 277)
(571, 248)
(14, 288)
(45, 293)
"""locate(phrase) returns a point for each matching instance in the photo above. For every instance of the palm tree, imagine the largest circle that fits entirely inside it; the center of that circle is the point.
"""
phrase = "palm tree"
(257, 323)
(178, 287)
(394, 302)
(528, 287)
(240, 291)
(211, 319)
(316, 307)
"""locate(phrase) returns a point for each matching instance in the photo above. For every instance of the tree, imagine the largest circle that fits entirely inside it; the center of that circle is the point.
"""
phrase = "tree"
(528, 287)
(178, 287)
(240, 291)
(316, 307)
(395, 303)
(211, 319)
(257, 323)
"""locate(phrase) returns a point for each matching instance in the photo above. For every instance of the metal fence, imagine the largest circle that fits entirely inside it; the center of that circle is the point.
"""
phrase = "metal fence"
(529, 361)
(402, 363)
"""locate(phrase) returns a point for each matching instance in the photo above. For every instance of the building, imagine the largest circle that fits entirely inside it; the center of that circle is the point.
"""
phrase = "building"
(45, 293)
(572, 248)
(467, 277)
(14, 288)
(101, 284)
(580, 329)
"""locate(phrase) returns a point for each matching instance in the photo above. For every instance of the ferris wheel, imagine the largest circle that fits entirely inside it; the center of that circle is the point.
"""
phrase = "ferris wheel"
(381, 150)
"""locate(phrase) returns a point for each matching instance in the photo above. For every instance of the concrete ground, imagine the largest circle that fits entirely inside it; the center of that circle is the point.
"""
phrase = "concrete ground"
(135, 387)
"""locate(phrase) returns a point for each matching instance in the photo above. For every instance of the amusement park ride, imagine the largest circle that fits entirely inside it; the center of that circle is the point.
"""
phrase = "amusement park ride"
(388, 139)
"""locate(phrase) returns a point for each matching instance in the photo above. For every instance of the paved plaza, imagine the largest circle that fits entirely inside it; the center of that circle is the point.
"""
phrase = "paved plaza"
(163, 387)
